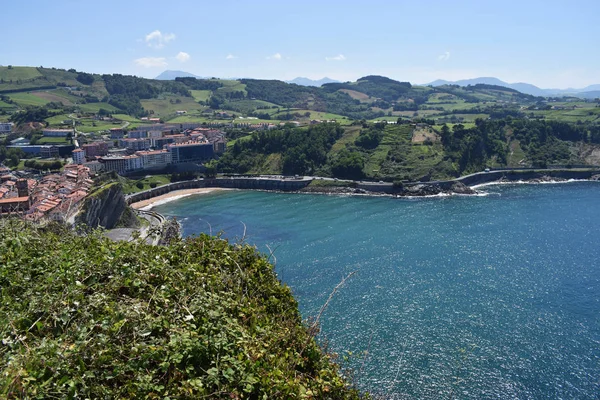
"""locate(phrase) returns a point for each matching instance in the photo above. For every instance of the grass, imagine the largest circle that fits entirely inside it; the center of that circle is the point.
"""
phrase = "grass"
(6, 105)
(167, 105)
(130, 185)
(201, 95)
(351, 133)
(97, 126)
(57, 119)
(126, 118)
(95, 107)
(28, 99)
(19, 73)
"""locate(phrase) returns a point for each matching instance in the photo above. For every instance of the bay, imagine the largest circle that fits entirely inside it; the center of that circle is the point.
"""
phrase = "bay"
(495, 296)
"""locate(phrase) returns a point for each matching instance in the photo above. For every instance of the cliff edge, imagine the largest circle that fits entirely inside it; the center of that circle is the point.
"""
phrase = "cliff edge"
(106, 207)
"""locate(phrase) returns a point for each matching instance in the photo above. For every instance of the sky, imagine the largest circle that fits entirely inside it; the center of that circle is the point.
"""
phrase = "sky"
(551, 44)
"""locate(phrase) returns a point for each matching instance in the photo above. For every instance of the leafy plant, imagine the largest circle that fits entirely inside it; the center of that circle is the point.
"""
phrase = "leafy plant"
(84, 317)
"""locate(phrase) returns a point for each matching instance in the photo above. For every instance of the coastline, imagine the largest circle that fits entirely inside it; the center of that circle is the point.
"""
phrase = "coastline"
(146, 205)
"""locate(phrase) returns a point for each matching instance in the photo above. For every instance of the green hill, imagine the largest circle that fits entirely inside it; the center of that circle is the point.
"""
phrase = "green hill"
(84, 317)
(202, 100)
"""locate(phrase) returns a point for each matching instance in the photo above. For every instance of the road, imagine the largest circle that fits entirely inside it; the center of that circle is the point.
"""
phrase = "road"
(154, 220)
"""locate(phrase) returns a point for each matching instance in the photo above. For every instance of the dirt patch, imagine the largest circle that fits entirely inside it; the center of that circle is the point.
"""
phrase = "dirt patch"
(420, 135)
(365, 98)
(590, 153)
(52, 97)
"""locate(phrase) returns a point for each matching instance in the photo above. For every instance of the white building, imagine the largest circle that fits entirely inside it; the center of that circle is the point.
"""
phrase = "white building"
(154, 159)
(79, 156)
(121, 164)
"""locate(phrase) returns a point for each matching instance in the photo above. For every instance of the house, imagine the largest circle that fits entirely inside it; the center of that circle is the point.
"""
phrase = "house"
(15, 204)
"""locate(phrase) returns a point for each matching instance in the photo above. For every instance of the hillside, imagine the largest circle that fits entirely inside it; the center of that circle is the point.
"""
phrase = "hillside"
(73, 96)
(527, 88)
(412, 152)
(85, 317)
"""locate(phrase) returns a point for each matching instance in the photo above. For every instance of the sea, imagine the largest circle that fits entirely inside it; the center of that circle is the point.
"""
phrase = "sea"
(495, 296)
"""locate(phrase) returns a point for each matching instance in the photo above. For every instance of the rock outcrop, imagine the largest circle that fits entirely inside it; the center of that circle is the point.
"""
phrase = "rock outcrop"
(106, 207)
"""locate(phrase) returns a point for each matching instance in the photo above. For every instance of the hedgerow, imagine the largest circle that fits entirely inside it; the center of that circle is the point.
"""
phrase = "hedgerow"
(84, 317)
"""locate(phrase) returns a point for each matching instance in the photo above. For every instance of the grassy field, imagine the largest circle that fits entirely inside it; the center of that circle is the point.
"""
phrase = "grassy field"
(191, 118)
(318, 115)
(232, 86)
(6, 105)
(201, 95)
(130, 185)
(167, 105)
(90, 125)
(28, 99)
(19, 73)
(57, 119)
(127, 118)
(350, 135)
(95, 107)
(59, 96)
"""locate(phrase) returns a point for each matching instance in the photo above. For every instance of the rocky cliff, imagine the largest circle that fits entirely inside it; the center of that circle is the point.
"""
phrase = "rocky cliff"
(106, 207)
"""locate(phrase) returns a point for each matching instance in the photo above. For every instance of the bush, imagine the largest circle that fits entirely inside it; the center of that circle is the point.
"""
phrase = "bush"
(139, 185)
(153, 185)
(85, 317)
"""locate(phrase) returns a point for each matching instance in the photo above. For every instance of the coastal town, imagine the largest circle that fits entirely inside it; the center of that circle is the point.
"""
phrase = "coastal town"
(150, 148)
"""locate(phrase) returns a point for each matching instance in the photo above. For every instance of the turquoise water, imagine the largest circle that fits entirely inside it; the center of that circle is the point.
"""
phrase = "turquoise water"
(456, 297)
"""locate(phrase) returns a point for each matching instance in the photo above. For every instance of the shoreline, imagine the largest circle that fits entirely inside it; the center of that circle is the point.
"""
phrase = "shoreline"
(146, 205)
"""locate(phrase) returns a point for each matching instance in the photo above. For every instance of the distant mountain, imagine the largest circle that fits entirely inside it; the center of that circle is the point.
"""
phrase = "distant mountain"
(170, 75)
(309, 82)
(527, 88)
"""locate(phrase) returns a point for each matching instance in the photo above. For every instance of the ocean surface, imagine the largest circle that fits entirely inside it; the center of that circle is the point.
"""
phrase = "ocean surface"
(471, 297)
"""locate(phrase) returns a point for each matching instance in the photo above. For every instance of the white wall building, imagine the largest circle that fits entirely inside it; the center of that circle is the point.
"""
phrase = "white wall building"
(154, 159)
(79, 156)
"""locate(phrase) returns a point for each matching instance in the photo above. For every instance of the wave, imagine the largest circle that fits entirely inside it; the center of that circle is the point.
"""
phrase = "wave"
(531, 182)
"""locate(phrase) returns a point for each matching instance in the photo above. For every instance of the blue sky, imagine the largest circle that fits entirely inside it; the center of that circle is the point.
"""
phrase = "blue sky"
(552, 44)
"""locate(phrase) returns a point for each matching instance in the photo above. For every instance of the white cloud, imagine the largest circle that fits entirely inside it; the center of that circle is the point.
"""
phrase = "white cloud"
(230, 57)
(182, 56)
(158, 40)
(444, 57)
(151, 62)
(339, 57)
(275, 56)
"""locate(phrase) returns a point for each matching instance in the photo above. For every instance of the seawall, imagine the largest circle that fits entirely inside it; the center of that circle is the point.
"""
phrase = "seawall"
(291, 184)
(258, 183)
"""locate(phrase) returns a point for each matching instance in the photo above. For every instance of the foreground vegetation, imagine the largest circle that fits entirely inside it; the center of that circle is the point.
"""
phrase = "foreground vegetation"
(83, 317)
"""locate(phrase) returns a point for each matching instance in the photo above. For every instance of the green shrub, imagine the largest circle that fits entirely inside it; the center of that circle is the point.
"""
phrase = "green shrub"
(84, 317)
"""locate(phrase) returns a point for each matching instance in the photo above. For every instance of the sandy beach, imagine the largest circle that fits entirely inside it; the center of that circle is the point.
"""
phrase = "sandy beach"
(171, 196)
